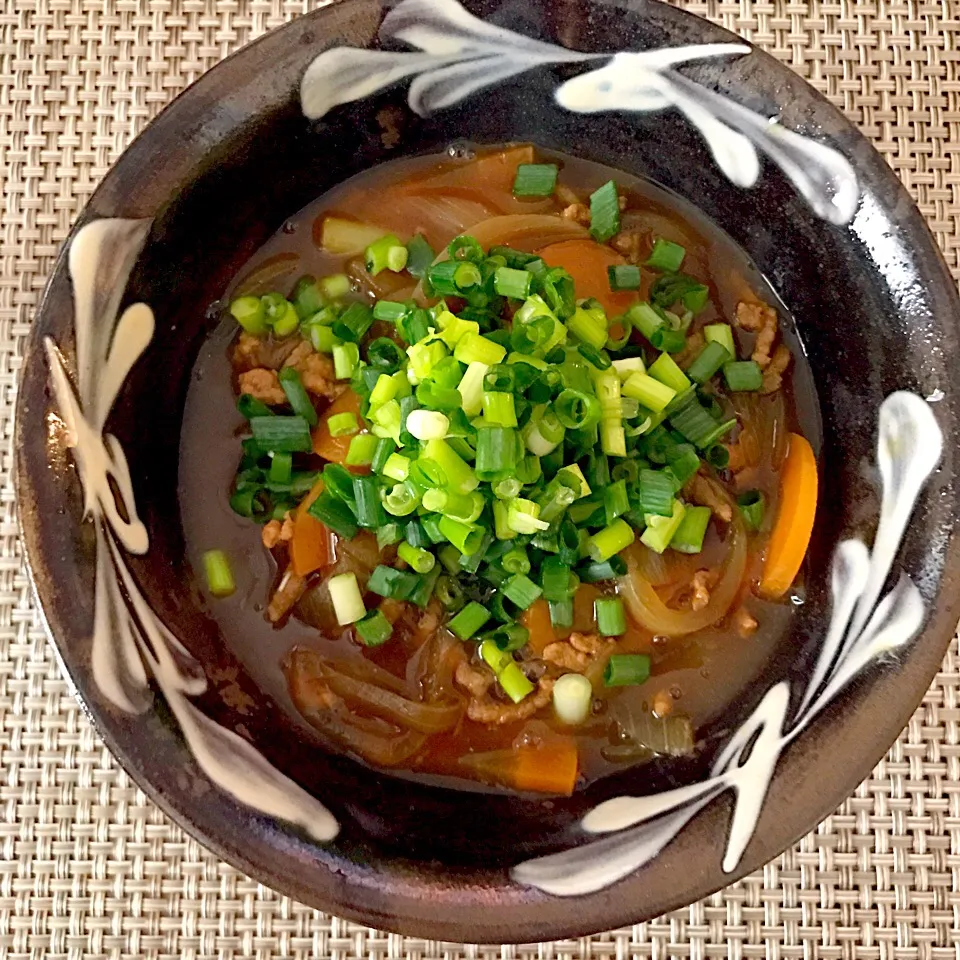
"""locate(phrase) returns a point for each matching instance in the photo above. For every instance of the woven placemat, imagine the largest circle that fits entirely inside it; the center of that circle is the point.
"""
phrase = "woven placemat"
(89, 867)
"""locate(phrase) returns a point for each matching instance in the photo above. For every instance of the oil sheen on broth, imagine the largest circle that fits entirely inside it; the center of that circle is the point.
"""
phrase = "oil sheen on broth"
(694, 676)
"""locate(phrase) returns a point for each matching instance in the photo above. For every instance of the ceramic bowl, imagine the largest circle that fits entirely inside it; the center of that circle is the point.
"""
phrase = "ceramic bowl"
(638, 86)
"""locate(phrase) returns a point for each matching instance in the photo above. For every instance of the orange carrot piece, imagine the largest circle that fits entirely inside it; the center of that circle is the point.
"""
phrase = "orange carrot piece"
(549, 768)
(798, 506)
(332, 448)
(587, 262)
(536, 618)
(312, 542)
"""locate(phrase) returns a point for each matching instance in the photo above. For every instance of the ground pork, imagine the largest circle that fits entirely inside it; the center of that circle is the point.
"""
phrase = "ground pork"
(250, 351)
(286, 595)
(577, 652)
(578, 212)
(263, 385)
(773, 375)
(260, 379)
(744, 622)
(476, 679)
(761, 319)
(703, 492)
(700, 586)
(276, 532)
(494, 713)
(630, 244)
(662, 703)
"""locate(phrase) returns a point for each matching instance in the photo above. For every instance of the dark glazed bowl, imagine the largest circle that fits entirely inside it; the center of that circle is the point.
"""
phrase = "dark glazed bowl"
(212, 178)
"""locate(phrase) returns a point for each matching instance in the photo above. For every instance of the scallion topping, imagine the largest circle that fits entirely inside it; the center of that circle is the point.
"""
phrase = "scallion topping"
(535, 179)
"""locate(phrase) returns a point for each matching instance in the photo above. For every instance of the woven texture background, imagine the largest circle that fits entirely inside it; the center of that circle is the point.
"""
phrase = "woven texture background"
(89, 867)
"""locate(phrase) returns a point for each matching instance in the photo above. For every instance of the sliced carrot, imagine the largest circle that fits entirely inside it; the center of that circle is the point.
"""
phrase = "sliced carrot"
(549, 768)
(587, 262)
(332, 448)
(536, 618)
(791, 533)
(311, 546)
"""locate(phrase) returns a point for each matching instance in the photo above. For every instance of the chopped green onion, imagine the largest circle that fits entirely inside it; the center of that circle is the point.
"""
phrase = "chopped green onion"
(474, 348)
(346, 599)
(281, 468)
(515, 560)
(708, 362)
(395, 584)
(514, 682)
(250, 407)
(572, 698)
(366, 495)
(396, 467)
(598, 572)
(653, 394)
(655, 493)
(665, 369)
(282, 434)
(509, 637)
(721, 333)
(422, 561)
(523, 516)
(604, 212)
(576, 409)
(743, 375)
(671, 288)
(402, 499)
(331, 511)
(521, 590)
(615, 500)
(660, 530)
(499, 410)
(336, 286)
(557, 580)
(346, 356)
(419, 256)
(645, 319)
(307, 297)
(460, 476)
(354, 323)
(380, 254)
(362, 450)
(561, 613)
(342, 424)
(588, 326)
(250, 313)
(752, 505)
(693, 422)
(428, 424)
(512, 283)
(467, 623)
(425, 586)
(466, 537)
(669, 340)
(611, 620)
(388, 535)
(389, 311)
(216, 567)
(624, 276)
(692, 529)
(718, 456)
(535, 179)
(626, 669)
(610, 540)
(666, 256)
(683, 462)
(374, 630)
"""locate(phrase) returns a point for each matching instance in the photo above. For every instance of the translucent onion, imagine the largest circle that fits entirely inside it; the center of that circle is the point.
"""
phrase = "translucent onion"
(650, 611)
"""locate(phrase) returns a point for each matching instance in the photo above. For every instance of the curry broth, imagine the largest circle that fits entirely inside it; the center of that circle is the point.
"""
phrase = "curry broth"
(702, 673)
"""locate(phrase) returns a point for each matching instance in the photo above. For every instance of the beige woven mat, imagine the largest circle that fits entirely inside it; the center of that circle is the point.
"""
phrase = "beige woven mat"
(89, 867)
